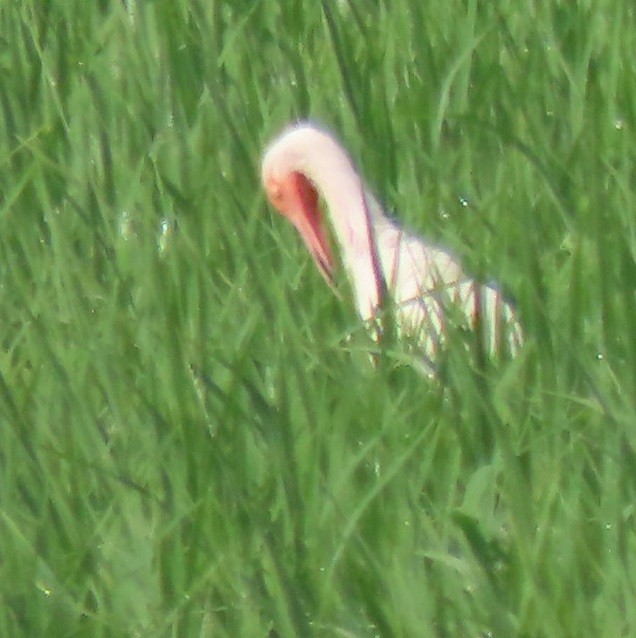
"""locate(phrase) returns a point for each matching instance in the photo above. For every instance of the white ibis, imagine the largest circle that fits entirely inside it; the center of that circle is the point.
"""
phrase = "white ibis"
(305, 163)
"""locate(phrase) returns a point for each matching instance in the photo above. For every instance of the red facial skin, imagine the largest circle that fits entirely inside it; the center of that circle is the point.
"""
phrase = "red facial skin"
(295, 197)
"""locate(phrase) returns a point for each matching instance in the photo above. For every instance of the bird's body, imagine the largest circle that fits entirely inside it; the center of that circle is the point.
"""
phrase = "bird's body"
(424, 281)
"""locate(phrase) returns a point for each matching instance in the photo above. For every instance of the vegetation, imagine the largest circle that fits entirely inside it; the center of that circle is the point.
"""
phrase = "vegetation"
(193, 440)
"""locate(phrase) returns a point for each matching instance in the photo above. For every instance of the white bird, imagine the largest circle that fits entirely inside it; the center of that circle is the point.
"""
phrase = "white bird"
(304, 163)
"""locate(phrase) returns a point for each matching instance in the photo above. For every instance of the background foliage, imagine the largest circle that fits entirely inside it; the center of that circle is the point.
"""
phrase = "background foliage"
(193, 441)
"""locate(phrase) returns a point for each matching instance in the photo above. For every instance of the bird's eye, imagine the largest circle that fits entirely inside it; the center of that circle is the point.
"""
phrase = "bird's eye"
(274, 190)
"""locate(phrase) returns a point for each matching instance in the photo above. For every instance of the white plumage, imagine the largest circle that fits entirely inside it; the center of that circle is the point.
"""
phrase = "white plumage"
(424, 281)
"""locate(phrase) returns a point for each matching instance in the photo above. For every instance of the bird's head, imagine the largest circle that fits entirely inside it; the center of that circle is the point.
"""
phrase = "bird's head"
(294, 196)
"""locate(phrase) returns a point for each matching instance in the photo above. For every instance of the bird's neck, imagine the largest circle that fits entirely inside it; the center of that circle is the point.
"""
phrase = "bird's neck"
(355, 217)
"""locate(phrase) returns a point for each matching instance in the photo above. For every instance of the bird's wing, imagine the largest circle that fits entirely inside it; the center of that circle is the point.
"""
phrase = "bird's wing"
(430, 290)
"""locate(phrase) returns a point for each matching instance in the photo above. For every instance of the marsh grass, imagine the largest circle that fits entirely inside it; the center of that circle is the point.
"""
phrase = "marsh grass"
(194, 441)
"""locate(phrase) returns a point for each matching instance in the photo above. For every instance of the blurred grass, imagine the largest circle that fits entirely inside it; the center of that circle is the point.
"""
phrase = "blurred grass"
(191, 443)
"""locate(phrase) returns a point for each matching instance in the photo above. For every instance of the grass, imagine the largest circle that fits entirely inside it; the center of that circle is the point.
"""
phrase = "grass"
(193, 441)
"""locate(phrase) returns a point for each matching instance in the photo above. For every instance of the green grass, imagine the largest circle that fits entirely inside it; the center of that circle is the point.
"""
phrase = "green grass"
(193, 441)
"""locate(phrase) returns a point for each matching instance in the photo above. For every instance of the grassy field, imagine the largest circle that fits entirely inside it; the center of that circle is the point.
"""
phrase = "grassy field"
(192, 439)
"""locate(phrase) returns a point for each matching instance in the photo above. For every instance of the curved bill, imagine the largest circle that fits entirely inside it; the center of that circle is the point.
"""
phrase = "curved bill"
(304, 212)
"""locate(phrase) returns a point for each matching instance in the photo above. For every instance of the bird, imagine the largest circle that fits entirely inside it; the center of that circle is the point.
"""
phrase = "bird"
(429, 291)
